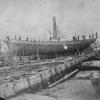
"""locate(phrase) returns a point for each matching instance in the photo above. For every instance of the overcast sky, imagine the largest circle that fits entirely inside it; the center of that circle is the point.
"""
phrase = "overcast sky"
(33, 18)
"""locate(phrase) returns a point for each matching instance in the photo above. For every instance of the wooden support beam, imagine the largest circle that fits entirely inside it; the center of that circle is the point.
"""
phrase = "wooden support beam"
(64, 78)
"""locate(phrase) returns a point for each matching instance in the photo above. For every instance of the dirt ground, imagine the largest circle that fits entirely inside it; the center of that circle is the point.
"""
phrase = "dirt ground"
(77, 88)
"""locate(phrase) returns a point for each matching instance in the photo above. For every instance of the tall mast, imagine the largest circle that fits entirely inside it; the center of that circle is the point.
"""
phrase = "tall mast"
(54, 28)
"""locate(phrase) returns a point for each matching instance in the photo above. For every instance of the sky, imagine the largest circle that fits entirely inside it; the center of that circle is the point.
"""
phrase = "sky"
(33, 18)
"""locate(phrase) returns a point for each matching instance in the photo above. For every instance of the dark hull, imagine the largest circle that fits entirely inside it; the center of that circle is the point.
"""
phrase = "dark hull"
(27, 48)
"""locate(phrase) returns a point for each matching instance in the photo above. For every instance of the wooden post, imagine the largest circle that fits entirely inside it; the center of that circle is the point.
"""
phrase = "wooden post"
(46, 83)
(53, 75)
(28, 81)
(56, 74)
(78, 51)
(14, 85)
(41, 82)
(37, 52)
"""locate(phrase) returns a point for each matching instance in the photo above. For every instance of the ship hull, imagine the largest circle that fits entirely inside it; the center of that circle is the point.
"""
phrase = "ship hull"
(27, 48)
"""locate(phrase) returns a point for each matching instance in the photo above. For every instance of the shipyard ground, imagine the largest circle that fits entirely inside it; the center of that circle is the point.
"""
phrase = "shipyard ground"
(78, 88)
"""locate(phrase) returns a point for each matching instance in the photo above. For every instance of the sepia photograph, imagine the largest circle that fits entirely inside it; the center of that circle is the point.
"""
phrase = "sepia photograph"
(49, 50)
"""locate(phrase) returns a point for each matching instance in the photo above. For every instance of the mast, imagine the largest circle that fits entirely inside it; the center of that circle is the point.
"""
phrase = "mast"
(54, 28)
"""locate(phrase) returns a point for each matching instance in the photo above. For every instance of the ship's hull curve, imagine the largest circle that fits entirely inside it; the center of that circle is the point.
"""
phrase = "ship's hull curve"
(26, 48)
